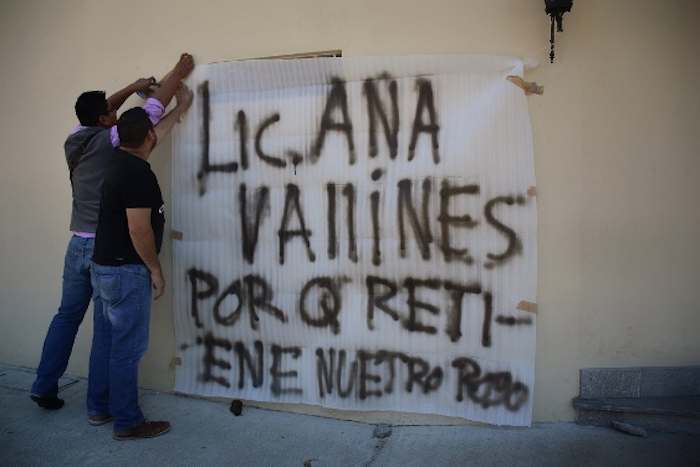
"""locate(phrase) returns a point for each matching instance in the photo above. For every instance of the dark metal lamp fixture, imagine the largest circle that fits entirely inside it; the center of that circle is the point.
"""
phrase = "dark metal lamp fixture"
(556, 9)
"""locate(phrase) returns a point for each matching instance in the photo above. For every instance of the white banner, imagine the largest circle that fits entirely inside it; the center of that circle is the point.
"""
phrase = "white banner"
(358, 233)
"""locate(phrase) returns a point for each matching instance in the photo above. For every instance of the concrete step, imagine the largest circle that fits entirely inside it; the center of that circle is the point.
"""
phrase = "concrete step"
(667, 414)
(656, 398)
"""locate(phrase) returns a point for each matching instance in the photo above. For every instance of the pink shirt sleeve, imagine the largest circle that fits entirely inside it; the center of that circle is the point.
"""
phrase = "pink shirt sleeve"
(153, 108)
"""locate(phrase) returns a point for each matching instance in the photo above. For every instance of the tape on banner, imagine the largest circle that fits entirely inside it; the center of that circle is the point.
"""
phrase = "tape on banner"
(176, 235)
(528, 87)
(527, 306)
(176, 361)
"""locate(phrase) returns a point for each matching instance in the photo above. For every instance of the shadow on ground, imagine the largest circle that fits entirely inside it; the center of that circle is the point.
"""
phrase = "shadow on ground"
(206, 433)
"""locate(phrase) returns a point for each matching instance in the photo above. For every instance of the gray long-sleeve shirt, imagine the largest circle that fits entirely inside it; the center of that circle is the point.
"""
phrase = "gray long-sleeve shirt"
(89, 150)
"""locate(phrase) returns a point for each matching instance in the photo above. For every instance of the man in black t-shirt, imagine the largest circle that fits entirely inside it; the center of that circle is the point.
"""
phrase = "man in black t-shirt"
(125, 269)
(131, 202)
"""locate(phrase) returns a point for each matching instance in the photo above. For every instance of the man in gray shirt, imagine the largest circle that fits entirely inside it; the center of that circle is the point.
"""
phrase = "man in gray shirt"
(88, 149)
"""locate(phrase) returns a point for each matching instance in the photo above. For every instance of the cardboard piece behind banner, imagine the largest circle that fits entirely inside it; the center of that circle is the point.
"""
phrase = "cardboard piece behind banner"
(357, 233)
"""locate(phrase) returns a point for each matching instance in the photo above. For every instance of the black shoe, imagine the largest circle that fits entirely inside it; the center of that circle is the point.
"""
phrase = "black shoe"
(48, 402)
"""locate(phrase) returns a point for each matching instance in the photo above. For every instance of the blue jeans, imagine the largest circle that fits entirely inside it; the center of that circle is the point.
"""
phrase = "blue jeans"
(77, 291)
(120, 339)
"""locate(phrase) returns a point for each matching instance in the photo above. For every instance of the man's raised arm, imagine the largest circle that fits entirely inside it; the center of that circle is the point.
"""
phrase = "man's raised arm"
(170, 82)
(160, 93)
(183, 97)
(117, 99)
(163, 91)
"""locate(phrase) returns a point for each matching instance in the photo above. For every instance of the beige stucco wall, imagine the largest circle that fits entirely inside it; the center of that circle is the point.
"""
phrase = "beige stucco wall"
(616, 134)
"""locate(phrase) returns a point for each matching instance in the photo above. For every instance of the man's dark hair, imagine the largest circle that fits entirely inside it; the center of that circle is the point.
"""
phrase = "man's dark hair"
(133, 126)
(89, 106)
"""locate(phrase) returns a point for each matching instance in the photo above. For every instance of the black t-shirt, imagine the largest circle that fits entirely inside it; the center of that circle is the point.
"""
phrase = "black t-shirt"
(129, 183)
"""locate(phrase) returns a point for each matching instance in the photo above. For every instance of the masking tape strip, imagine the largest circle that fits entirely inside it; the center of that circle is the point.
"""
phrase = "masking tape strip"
(527, 306)
(528, 87)
(176, 235)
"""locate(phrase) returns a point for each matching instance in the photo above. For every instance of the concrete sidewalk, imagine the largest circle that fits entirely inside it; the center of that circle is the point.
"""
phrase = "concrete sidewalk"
(206, 433)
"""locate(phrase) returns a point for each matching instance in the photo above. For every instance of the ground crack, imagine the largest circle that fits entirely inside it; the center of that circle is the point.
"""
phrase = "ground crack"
(381, 433)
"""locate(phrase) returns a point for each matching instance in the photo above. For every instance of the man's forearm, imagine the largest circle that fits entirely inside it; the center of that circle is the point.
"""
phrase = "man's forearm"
(145, 245)
(118, 98)
(166, 123)
(170, 82)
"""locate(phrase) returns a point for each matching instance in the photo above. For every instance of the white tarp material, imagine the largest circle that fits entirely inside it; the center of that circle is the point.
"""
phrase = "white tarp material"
(358, 233)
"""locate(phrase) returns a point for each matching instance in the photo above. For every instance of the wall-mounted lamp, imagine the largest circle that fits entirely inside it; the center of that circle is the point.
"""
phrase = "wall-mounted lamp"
(556, 9)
